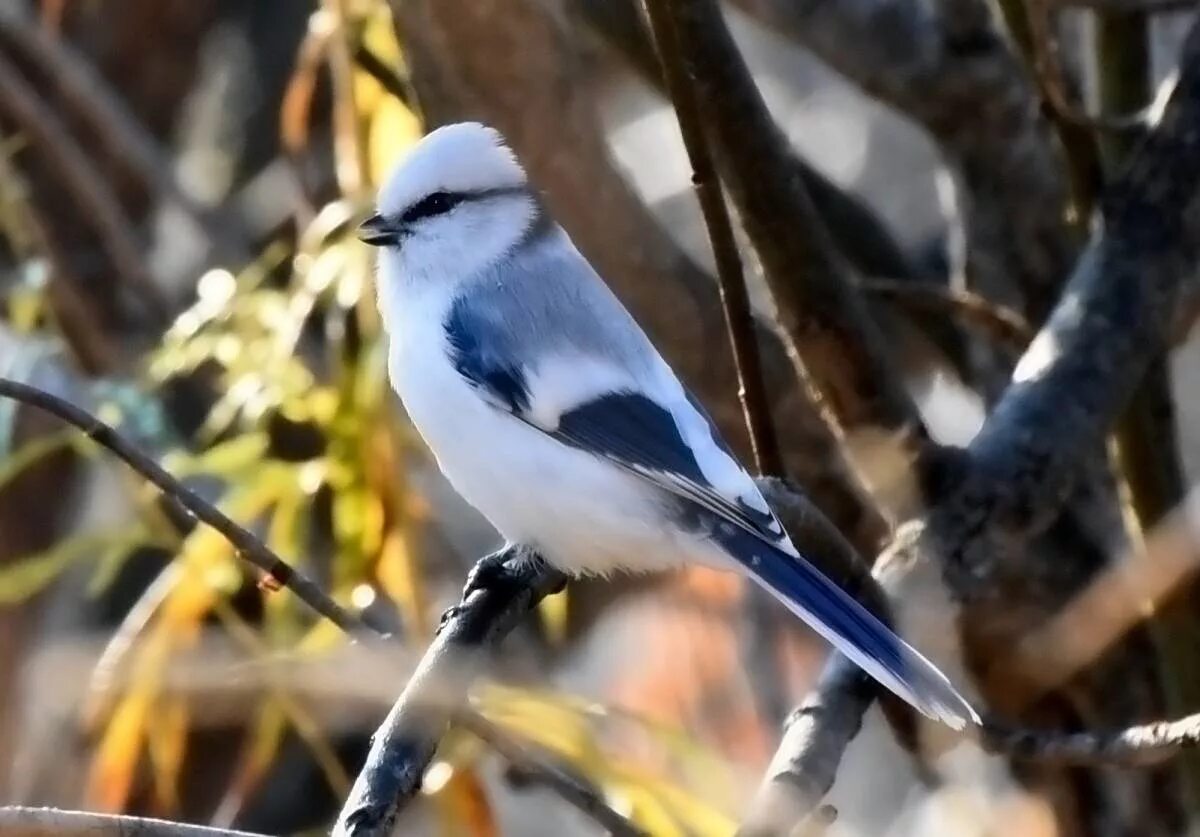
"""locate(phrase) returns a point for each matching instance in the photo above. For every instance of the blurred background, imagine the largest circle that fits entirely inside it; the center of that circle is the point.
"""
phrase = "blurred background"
(179, 185)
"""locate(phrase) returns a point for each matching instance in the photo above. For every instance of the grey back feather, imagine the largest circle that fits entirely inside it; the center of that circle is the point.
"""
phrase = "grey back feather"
(545, 299)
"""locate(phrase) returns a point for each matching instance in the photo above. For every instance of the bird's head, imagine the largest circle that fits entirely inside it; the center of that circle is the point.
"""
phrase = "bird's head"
(456, 203)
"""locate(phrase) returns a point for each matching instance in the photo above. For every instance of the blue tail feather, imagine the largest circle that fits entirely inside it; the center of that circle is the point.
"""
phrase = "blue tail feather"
(849, 627)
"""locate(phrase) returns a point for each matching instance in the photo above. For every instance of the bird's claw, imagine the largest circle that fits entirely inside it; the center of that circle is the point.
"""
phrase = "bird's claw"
(491, 572)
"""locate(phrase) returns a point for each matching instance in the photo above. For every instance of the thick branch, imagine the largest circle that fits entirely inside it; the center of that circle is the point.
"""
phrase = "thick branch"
(1114, 318)
(53, 822)
(1068, 390)
(945, 65)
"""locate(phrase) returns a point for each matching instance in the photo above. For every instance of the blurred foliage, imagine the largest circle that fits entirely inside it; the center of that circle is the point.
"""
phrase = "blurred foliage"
(300, 442)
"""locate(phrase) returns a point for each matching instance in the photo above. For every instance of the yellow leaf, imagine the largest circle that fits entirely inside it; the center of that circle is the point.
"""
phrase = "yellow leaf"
(115, 762)
(463, 806)
(24, 577)
(166, 740)
(31, 452)
(647, 811)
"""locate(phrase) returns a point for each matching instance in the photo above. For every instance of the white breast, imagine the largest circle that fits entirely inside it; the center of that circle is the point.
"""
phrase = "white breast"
(585, 515)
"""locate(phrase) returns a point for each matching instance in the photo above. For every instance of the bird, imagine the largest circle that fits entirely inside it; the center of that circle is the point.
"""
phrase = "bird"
(549, 410)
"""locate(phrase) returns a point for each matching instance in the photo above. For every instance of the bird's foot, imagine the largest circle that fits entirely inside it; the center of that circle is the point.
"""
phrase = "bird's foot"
(496, 572)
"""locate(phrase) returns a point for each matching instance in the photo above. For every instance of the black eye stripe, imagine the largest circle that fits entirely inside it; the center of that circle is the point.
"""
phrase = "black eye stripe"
(437, 203)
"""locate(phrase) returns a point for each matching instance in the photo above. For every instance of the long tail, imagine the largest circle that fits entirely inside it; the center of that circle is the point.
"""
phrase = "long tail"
(850, 628)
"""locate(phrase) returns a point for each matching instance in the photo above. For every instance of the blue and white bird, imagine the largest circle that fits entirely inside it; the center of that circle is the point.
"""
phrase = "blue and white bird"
(550, 411)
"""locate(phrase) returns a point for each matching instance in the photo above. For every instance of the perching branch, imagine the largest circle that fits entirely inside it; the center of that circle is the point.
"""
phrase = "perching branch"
(247, 546)
(405, 742)
(52, 822)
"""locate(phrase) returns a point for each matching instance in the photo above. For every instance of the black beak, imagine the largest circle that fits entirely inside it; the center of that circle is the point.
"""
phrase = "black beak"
(378, 231)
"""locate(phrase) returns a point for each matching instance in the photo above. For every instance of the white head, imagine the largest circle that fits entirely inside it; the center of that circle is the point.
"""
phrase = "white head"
(458, 202)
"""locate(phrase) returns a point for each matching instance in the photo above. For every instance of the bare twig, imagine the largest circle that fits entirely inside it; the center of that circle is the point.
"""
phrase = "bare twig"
(379, 70)
(53, 822)
(405, 742)
(587, 799)
(735, 301)
(248, 547)
(50, 138)
(1140, 745)
(1001, 323)
(829, 333)
(759, 620)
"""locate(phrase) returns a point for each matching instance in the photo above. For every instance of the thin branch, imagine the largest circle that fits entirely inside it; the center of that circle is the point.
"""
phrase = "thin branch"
(1004, 325)
(759, 614)
(735, 301)
(830, 335)
(1140, 745)
(405, 742)
(586, 799)
(378, 69)
(53, 822)
(50, 138)
(247, 546)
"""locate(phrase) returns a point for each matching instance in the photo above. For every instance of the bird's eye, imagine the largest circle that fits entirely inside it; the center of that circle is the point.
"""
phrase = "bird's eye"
(437, 203)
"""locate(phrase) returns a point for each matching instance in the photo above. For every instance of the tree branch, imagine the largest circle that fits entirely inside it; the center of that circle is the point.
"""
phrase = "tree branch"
(828, 331)
(247, 546)
(53, 822)
(945, 65)
(405, 742)
(1067, 392)
(735, 301)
